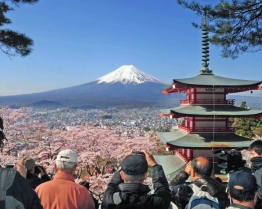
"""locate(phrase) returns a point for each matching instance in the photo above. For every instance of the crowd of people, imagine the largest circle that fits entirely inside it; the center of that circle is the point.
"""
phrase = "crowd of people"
(27, 186)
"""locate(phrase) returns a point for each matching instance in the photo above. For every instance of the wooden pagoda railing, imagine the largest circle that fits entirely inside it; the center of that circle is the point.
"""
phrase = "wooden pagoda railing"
(208, 129)
(208, 101)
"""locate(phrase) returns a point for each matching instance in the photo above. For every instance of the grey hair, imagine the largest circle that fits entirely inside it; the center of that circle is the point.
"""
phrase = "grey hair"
(135, 178)
(62, 165)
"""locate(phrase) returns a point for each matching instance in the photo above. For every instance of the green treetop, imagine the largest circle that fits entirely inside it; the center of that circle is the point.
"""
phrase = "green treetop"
(236, 25)
(12, 42)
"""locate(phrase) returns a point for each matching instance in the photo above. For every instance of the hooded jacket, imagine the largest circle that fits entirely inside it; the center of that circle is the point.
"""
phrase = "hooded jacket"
(129, 192)
(181, 192)
(19, 193)
(257, 169)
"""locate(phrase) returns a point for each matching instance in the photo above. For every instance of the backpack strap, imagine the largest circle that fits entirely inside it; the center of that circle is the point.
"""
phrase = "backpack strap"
(202, 196)
(195, 188)
(117, 199)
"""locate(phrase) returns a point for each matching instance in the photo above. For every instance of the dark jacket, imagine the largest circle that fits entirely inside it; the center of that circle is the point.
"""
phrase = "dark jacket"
(20, 191)
(236, 206)
(257, 169)
(131, 191)
(258, 175)
(35, 180)
(181, 192)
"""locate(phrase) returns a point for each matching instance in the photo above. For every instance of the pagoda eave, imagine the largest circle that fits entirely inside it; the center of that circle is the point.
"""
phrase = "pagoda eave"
(164, 115)
(172, 164)
(178, 115)
(211, 111)
(242, 89)
(214, 81)
(228, 89)
(181, 139)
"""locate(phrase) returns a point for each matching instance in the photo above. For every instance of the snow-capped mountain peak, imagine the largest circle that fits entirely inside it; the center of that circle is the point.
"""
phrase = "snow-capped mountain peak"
(128, 74)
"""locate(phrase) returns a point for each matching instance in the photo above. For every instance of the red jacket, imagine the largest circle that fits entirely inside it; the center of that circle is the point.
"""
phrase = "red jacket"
(63, 193)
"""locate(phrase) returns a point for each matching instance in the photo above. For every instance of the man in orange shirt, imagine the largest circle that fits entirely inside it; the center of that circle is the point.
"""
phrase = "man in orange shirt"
(62, 191)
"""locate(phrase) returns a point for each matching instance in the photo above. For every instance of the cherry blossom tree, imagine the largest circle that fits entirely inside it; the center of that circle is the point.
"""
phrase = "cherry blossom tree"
(98, 148)
(13, 119)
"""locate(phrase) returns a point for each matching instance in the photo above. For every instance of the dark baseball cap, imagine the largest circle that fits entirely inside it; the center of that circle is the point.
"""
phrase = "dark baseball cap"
(241, 182)
(134, 164)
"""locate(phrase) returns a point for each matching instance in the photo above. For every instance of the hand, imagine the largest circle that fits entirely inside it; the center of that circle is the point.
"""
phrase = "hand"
(188, 168)
(149, 158)
(21, 169)
(130, 152)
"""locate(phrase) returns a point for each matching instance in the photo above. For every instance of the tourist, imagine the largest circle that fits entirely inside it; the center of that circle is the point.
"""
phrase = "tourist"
(15, 190)
(127, 188)
(62, 191)
(200, 171)
(255, 150)
(242, 189)
(33, 171)
(2, 135)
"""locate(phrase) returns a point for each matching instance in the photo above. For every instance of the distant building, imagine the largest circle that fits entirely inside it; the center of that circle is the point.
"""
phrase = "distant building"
(130, 123)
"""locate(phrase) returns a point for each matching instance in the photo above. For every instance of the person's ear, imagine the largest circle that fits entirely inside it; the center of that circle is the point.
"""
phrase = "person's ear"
(122, 175)
(192, 172)
(228, 194)
(229, 197)
(74, 170)
(255, 198)
(55, 168)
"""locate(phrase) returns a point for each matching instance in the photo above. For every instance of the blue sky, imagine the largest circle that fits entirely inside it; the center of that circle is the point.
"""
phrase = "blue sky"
(76, 42)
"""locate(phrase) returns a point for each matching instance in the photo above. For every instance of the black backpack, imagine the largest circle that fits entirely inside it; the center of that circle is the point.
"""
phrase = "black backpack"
(181, 194)
(134, 203)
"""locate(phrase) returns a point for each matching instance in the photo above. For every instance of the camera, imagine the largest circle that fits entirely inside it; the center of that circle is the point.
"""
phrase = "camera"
(10, 165)
(138, 153)
(37, 170)
(229, 160)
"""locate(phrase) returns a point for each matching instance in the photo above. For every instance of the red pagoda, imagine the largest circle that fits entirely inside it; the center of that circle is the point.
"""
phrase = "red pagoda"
(206, 111)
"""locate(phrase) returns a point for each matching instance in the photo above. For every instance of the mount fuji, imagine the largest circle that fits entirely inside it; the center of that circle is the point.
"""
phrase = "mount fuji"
(128, 74)
(126, 85)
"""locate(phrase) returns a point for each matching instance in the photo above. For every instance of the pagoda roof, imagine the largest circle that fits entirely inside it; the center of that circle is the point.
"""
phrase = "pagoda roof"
(211, 110)
(184, 139)
(213, 80)
(172, 164)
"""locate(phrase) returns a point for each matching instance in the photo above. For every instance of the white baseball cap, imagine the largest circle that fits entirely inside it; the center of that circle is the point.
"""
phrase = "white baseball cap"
(67, 155)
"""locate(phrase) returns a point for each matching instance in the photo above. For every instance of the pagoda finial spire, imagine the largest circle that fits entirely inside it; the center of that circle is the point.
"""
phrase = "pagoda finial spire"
(205, 47)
